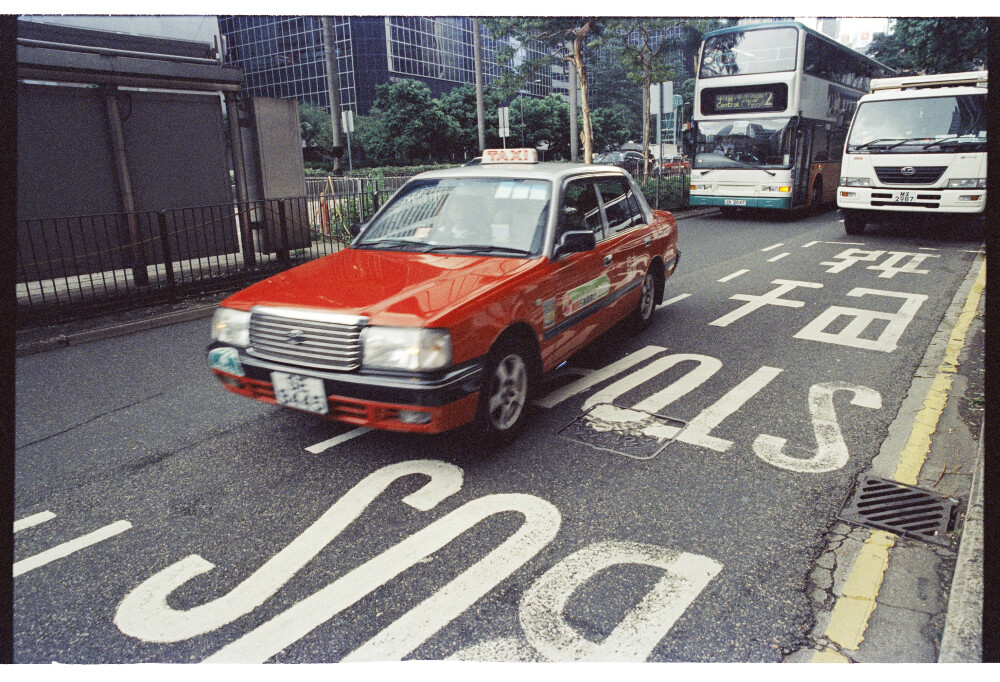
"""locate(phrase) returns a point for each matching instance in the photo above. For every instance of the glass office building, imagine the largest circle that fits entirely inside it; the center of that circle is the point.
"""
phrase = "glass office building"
(285, 56)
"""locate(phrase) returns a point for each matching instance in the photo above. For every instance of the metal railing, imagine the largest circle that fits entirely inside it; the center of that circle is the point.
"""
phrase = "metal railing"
(74, 267)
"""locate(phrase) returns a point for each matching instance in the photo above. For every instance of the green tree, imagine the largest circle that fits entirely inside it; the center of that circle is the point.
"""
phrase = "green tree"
(611, 127)
(317, 131)
(562, 39)
(460, 105)
(930, 46)
(405, 125)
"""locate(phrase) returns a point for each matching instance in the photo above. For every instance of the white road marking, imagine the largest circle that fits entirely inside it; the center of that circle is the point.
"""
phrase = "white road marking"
(850, 335)
(772, 297)
(806, 246)
(145, 614)
(675, 299)
(846, 243)
(707, 366)
(67, 548)
(773, 246)
(714, 415)
(33, 520)
(337, 440)
(849, 257)
(831, 452)
(543, 605)
(889, 269)
(596, 377)
(779, 257)
(969, 251)
(542, 521)
(927, 248)
(734, 275)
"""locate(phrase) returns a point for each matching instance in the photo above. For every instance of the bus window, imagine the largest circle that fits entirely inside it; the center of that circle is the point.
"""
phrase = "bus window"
(744, 52)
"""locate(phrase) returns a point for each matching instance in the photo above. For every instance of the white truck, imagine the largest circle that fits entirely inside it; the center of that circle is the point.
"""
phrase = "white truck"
(917, 144)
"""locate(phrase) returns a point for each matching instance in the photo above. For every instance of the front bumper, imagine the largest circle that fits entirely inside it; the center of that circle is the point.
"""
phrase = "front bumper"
(925, 200)
(376, 399)
(740, 202)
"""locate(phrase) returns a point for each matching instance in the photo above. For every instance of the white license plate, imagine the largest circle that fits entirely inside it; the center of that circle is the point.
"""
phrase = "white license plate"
(904, 197)
(735, 202)
(303, 393)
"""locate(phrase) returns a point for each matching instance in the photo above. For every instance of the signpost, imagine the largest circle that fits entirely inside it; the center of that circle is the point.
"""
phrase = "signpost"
(504, 116)
(347, 123)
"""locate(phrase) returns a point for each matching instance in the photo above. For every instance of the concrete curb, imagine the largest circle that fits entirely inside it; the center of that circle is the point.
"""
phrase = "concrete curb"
(115, 330)
(962, 640)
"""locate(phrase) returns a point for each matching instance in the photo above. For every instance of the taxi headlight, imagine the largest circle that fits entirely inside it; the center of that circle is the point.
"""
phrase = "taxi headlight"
(967, 183)
(411, 348)
(856, 182)
(231, 326)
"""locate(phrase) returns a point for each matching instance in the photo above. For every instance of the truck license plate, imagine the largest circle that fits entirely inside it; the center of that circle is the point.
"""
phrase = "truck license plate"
(303, 393)
(904, 197)
(735, 202)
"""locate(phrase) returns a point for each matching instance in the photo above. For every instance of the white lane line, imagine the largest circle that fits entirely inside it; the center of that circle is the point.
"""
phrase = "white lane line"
(806, 246)
(773, 246)
(847, 243)
(734, 275)
(968, 251)
(33, 520)
(779, 257)
(927, 248)
(67, 548)
(675, 299)
(337, 440)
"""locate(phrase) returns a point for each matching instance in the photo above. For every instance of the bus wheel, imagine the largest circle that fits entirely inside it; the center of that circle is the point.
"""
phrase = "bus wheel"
(816, 197)
(854, 223)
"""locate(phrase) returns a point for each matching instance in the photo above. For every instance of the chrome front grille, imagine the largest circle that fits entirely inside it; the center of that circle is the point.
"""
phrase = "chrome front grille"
(308, 338)
(915, 175)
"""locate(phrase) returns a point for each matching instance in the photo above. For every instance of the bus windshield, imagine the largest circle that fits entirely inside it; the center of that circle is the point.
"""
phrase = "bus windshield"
(746, 52)
(756, 143)
(934, 123)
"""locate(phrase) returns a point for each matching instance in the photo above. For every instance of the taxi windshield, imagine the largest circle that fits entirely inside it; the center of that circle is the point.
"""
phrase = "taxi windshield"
(493, 216)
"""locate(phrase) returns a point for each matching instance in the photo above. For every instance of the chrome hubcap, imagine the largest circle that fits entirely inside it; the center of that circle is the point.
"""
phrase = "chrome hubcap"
(510, 391)
(646, 303)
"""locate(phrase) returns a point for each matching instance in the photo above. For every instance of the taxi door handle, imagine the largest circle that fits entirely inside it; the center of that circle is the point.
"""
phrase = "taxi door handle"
(608, 260)
(647, 241)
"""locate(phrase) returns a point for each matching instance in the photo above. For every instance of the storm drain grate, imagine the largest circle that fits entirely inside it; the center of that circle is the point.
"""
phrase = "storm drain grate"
(623, 431)
(901, 509)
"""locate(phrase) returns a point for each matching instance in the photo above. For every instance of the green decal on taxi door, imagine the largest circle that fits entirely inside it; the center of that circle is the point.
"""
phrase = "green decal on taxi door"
(579, 298)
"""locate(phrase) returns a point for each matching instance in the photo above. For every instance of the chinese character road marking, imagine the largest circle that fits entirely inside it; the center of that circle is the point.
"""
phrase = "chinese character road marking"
(889, 269)
(850, 257)
(849, 336)
(772, 297)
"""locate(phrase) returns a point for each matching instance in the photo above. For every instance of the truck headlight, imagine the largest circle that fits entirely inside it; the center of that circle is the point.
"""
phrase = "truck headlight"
(411, 348)
(856, 182)
(231, 326)
(967, 183)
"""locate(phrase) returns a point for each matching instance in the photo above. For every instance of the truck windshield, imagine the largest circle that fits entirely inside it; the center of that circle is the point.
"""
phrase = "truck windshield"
(745, 52)
(756, 143)
(933, 123)
(501, 216)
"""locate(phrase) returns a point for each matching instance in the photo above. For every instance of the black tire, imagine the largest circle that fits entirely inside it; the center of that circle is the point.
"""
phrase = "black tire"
(728, 211)
(854, 223)
(642, 315)
(508, 383)
(816, 197)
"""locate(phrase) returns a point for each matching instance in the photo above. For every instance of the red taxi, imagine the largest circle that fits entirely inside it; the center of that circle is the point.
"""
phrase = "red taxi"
(454, 300)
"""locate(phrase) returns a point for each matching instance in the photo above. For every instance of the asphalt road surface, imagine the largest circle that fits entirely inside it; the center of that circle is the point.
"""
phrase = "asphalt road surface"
(160, 518)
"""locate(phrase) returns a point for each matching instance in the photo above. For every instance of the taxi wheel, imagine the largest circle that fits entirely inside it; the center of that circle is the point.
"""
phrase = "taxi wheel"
(642, 316)
(503, 399)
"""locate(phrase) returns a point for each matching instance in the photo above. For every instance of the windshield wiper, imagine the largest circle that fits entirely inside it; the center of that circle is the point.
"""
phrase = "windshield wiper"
(390, 243)
(485, 248)
(954, 139)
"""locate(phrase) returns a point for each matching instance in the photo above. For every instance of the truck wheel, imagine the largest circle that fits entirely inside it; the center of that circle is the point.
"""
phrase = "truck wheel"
(507, 386)
(854, 223)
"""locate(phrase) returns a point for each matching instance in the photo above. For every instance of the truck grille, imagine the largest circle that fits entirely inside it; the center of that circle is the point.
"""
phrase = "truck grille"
(306, 337)
(922, 175)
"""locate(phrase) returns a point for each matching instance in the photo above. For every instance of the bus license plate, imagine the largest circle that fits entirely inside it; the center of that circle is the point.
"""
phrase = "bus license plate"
(302, 393)
(734, 202)
(904, 197)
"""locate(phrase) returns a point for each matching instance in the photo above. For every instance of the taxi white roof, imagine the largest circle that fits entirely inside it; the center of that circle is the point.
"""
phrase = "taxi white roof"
(547, 170)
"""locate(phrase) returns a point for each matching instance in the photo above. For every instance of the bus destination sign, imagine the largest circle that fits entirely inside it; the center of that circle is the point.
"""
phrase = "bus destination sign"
(746, 99)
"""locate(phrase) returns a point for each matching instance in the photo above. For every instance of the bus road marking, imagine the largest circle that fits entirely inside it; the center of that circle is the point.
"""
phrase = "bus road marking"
(67, 548)
(337, 440)
(33, 520)
(734, 275)
(773, 246)
(779, 257)
(806, 246)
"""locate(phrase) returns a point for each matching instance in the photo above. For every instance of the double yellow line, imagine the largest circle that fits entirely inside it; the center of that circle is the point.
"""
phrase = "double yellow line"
(854, 607)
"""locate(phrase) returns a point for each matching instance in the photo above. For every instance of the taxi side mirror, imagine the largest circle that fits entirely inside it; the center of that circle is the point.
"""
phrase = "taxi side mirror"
(575, 241)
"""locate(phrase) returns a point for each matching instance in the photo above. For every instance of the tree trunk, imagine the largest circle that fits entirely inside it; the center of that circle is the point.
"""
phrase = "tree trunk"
(581, 69)
(647, 82)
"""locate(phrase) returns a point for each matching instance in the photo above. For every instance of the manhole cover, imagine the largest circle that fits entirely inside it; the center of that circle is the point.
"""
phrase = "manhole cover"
(629, 432)
(901, 509)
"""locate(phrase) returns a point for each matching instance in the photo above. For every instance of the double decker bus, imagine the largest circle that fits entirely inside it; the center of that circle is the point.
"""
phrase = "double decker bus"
(773, 103)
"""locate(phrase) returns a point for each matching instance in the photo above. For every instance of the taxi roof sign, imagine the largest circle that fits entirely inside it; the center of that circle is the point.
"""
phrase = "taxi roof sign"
(510, 156)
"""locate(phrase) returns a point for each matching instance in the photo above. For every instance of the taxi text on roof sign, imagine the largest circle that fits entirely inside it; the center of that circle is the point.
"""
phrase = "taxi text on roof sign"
(510, 156)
